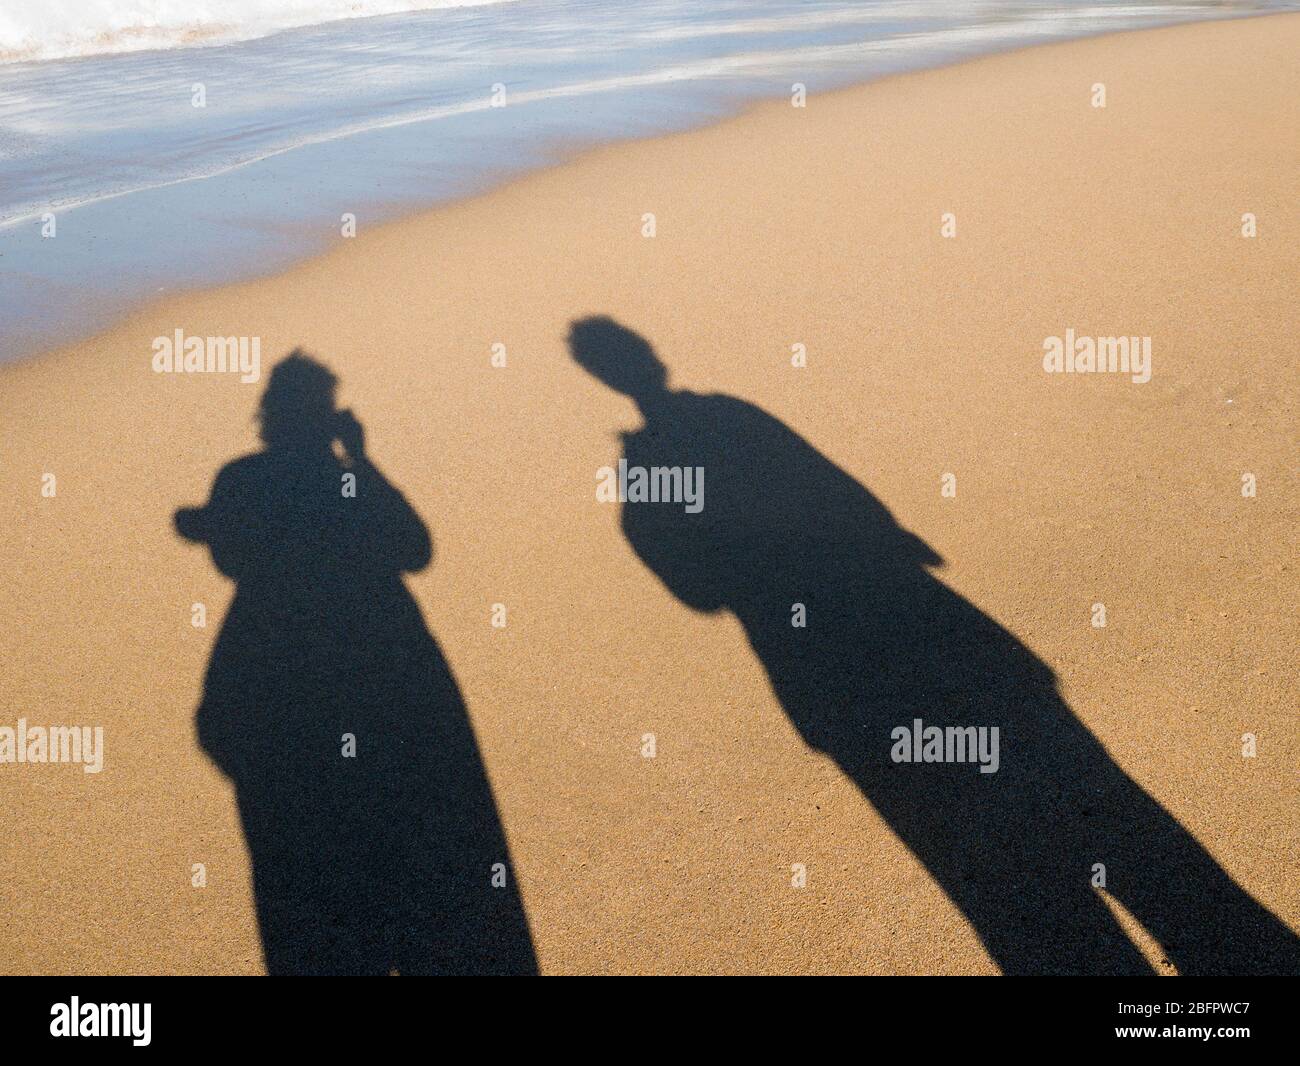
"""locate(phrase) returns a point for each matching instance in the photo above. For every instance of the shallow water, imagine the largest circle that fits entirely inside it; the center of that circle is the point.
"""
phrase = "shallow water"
(146, 192)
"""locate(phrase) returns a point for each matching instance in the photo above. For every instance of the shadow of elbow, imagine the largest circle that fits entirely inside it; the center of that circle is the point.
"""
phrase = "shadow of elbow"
(189, 524)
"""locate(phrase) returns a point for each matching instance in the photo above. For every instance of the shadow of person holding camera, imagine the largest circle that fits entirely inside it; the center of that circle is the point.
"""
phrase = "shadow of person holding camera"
(375, 840)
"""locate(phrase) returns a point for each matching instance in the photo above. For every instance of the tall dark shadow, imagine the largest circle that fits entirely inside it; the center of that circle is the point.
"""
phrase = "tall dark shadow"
(371, 824)
(886, 644)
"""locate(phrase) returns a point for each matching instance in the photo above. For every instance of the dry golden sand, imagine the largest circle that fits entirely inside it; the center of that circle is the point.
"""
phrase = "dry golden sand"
(818, 226)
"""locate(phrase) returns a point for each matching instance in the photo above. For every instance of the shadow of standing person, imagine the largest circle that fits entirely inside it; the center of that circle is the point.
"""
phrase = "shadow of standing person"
(783, 534)
(370, 821)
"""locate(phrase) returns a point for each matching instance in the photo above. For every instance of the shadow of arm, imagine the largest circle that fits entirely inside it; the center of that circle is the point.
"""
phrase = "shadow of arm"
(398, 533)
(221, 524)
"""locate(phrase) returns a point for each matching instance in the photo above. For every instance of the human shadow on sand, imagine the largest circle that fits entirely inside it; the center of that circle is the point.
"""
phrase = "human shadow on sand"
(373, 832)
(885, 644)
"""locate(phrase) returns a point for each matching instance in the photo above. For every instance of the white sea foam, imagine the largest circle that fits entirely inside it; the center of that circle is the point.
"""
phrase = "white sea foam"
(57, 29)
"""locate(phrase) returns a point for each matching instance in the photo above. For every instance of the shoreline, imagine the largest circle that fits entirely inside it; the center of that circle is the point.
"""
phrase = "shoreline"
(822, 229)
(307, 244)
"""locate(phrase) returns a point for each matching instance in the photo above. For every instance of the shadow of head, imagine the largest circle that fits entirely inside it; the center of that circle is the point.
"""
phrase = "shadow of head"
(296, 414)
(298, 405)
(617, 356)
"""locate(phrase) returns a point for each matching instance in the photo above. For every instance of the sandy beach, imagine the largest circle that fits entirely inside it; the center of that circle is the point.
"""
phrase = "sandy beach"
(915, 241)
